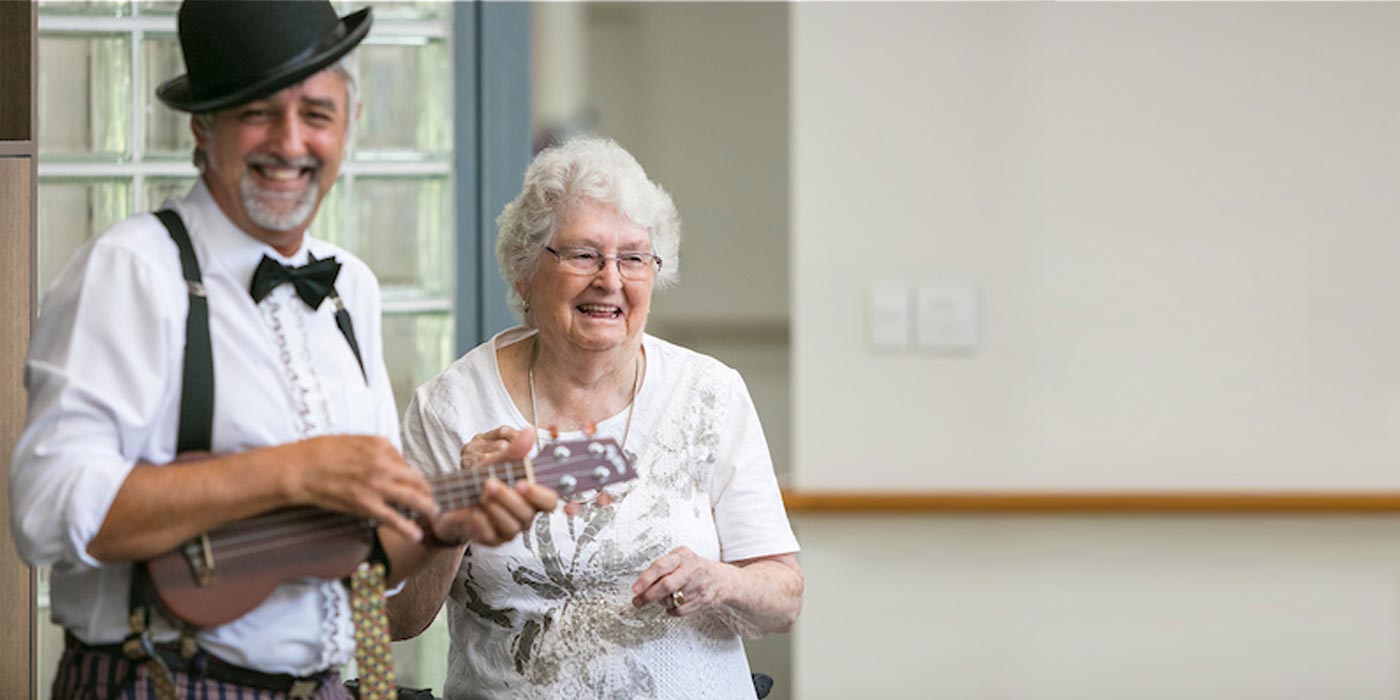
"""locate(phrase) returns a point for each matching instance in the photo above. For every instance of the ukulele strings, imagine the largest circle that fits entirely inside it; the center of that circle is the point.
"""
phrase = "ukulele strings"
(293, 527)
(276, 518)
(463, 488)
(303, 535)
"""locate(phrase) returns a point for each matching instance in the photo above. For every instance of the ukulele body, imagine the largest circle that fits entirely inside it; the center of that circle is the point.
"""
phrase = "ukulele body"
(243, 564)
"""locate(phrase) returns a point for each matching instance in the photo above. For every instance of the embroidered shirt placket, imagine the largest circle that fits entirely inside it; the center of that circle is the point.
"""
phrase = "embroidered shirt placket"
(286, 315)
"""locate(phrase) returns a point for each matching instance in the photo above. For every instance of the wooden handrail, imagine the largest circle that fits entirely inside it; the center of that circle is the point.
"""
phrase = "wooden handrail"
(1089, 502)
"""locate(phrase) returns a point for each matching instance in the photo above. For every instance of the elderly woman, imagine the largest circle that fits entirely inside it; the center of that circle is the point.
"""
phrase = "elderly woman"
(645, 589)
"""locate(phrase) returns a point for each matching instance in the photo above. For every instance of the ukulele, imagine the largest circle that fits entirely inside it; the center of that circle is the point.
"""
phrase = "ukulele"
(222, 574)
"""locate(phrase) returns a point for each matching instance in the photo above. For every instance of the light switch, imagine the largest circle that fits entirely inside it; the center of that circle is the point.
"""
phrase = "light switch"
(946, 318)
(889, 317)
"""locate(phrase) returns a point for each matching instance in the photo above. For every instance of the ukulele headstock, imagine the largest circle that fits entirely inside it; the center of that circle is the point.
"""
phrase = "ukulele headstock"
(571, 467)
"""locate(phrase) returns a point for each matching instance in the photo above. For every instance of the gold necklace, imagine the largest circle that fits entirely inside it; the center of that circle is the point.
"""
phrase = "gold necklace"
(631, 403)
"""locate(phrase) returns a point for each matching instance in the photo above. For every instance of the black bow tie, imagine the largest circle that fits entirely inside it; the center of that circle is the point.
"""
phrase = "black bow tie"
(314, 281)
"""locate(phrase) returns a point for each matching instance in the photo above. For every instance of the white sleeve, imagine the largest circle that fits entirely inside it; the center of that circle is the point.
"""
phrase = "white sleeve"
(429, 444)
(97, 373)
(747, 503)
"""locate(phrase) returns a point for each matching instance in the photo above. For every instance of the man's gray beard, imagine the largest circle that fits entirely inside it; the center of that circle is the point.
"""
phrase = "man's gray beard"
(254, 202)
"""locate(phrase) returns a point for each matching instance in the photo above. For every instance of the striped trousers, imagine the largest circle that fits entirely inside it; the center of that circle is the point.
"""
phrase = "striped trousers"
(89, 675)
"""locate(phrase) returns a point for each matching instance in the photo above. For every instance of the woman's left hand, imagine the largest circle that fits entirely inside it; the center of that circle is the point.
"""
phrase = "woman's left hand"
(684, 582)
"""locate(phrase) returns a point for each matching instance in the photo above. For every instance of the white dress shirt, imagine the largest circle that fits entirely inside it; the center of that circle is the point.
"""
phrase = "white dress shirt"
(104, 381)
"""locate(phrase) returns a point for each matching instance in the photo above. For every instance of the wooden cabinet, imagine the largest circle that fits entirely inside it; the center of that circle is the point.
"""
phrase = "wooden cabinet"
(18, 156)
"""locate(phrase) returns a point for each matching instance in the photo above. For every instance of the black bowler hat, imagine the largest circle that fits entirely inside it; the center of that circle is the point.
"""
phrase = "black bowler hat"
(237, 51)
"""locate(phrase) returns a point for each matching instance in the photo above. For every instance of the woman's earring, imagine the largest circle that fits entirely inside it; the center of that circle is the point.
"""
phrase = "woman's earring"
(525, 306)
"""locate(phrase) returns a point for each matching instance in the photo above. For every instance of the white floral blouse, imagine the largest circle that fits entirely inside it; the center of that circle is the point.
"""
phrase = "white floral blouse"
(549, 614)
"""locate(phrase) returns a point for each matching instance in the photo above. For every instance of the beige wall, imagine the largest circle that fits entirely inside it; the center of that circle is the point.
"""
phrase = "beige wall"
(1099, 608)
(1181, 222)
(699, 93)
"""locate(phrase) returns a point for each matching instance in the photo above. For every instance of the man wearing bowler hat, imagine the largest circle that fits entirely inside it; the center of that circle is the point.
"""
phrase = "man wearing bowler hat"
(209, 363)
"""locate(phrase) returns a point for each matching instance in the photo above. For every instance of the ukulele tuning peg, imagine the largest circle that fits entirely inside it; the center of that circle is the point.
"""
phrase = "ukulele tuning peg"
(554, 432)
(595, 449)
(590, 429)
(567, 483)
(561, 452)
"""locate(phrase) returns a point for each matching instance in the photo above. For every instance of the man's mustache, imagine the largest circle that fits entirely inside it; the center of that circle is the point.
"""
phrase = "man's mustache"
(268, 159)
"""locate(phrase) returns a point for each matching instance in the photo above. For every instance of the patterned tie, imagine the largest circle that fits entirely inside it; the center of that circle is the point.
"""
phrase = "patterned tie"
(371, 632)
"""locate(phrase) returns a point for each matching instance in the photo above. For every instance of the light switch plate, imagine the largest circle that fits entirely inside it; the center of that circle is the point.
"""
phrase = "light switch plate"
(888, 317)
(946, 318)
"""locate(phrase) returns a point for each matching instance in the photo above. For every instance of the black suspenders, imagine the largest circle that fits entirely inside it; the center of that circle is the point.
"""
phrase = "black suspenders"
(195, 431)
(197, 394)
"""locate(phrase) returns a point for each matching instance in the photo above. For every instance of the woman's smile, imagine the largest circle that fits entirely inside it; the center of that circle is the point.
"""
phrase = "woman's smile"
(605, 312)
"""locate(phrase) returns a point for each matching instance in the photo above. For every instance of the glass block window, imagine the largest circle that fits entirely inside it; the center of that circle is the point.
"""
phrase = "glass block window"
(93, 70)
(70, 208)
(108, 149)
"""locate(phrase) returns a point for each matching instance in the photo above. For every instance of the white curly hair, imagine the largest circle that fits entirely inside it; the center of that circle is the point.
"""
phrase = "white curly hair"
(582, 168)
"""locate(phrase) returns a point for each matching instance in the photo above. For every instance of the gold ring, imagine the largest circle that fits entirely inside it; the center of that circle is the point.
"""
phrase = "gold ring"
(677, 599)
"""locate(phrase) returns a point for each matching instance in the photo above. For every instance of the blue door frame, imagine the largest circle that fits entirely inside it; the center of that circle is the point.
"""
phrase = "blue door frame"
(491, 60)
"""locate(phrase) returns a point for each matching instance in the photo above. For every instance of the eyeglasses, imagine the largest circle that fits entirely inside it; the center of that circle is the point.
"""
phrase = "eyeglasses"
(587, 261)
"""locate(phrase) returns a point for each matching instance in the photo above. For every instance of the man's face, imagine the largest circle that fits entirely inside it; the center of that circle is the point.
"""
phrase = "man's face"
(271, 161)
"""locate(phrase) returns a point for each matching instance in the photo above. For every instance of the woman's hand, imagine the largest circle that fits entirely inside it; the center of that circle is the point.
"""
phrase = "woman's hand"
(507, 443)
(684, 582)
(752, 597)
(503, 511)
(496, 446)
